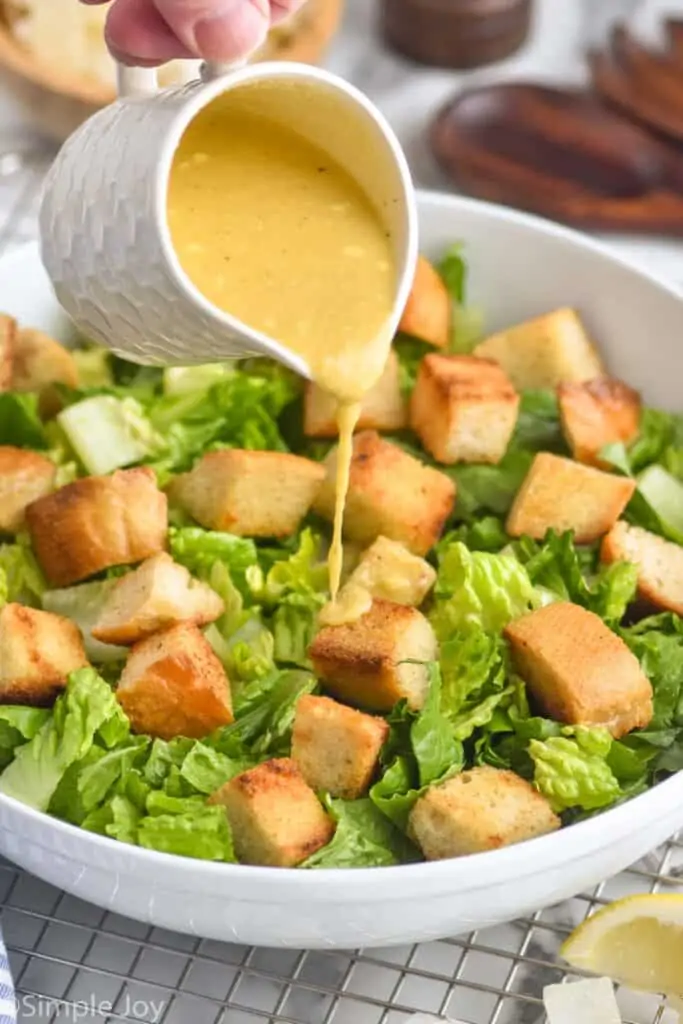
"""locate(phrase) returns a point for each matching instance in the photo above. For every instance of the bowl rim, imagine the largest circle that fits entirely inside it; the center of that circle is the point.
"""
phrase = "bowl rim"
(474, 871)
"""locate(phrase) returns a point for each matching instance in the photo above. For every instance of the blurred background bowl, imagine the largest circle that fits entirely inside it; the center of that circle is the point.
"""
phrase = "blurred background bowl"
(53, 59)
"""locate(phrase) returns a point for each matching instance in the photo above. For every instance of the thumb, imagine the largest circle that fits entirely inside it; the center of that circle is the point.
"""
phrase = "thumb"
(220, 30)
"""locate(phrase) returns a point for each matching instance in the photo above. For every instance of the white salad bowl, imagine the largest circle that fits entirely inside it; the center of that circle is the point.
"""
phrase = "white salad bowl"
(519, 266)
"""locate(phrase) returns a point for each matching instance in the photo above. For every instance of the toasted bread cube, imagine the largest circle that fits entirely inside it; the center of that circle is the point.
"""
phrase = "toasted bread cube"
(382, 408)
(390, 494)
(560, 494)
(481, 809)
(544, 352)
(8, 338)
(429, 309)
(174, 685)
(387, 570)
(659, 563)
(39, 362)
(463, 409)
(596, 413)
(38, 650)
(336, 748)
(275, 818)
(578, 670)
(250, 494)
(156, 595)
(25, 476)
(98, 522)
(371, 662)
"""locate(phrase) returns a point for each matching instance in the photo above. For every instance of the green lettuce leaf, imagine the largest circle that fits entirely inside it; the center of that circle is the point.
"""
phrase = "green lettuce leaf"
(538, 427)
(572, 770)
(364, 838)
(198, 831)
(21, 579)
(199, 550)
(18, 724)
(83, 604)
(264, 716)
(422, 749)
(66, 737)
(478, 589)
(20, 423)
(489, 490)
(557, 566)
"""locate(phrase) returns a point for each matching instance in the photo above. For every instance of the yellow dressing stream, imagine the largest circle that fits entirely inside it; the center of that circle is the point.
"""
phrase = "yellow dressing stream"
(273, 231)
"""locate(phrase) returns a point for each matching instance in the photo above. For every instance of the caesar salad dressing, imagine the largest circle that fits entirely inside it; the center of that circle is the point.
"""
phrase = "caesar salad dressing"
(272, 230)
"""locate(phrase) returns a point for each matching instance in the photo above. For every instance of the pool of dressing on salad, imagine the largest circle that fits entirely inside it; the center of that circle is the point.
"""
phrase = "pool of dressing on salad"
(270, 229)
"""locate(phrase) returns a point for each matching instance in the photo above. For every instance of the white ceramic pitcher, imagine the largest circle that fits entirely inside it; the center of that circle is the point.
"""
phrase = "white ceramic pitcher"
(104, 233)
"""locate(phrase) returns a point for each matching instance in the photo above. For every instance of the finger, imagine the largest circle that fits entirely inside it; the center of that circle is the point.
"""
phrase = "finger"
(219, 30)
(280, 10)
(137, 34)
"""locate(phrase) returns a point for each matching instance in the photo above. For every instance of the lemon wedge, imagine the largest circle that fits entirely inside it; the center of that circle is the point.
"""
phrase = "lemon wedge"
(637, 941)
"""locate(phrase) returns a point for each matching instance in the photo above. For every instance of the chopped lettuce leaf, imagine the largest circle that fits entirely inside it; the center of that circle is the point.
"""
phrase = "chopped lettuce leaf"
(486, 534)
(21, 579)
(93, 365)
(410, 352)
(264, 716)
(538, 427)
(20, 423)
(18, 724)
(572, 770)
(478, 589)
(201, 832)
(555, 565)
(486, 490)
(83, 605)
(364, 838)
(107, 433)
(198, 550)
(452, 269)
(663, 494)
(422, 749)
(66, 737)
(179, 380)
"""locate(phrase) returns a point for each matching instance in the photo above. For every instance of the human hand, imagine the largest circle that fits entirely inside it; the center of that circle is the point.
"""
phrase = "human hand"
(150, 32)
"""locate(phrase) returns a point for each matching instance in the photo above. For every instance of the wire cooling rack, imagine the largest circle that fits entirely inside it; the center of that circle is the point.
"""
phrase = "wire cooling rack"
(75, 963)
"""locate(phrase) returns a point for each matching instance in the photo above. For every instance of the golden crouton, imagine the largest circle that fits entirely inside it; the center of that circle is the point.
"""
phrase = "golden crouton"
(387, 570)
(250, 494)
(336, 748)
(371, 662)
(578, 670)
(24, 477)
(174, 685)
(39, 650)
(98, 522)
(463, 409)
(8, 338)
(482, 809)
(39, 362)
(382, 408)
(275, 818)
(659, 564)
(390, 493)
(429, 309)
(595, 413)
(560, 494)
(544, 352)
(156, 595)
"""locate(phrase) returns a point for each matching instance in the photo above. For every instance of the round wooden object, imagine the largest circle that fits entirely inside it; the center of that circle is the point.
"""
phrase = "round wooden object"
(57, 102)
(455, 33)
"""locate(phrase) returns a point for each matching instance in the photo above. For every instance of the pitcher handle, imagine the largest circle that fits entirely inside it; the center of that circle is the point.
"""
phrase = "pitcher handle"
(144, 81)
